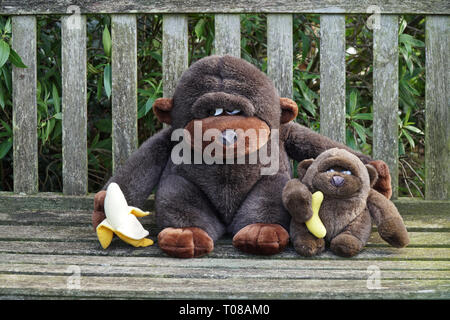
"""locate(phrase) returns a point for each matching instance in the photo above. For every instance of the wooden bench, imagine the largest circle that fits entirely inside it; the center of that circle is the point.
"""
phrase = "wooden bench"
(47, 245)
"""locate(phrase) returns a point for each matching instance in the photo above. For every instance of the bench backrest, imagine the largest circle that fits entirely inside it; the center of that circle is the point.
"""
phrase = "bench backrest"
(227, 41)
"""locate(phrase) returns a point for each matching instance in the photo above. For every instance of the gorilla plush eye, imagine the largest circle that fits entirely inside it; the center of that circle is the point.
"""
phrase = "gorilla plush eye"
(348, 172)
(330, 170)
(218, 112)
(233, 112)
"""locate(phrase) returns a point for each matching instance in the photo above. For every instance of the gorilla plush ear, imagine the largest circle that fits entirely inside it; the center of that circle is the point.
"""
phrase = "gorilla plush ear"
(302, 167)
(289, 110)
(373, 174)
(162, 108)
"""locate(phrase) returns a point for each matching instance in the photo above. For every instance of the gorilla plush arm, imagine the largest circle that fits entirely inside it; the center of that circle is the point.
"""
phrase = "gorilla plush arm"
(303, 143)
(139, 175)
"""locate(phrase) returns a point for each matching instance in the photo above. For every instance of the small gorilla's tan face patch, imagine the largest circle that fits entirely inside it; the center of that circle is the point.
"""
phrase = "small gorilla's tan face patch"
(337, 182)
(235, 135)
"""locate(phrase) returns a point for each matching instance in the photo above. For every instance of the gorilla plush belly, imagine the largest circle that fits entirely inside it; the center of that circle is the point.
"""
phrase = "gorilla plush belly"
(197, 202)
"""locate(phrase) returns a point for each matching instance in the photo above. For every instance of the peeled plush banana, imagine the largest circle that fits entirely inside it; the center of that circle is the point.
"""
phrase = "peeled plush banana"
(315, 225)
(121, 220)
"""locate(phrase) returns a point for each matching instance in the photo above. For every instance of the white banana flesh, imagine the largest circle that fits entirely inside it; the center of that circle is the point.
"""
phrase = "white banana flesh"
(121, 220)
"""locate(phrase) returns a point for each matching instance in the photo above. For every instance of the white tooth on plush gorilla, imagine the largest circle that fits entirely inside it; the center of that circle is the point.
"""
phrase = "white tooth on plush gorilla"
(218, 112)
(235, 111)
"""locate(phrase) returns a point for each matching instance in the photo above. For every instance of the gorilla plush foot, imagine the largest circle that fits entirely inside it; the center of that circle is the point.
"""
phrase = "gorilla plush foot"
(393, 231)
(307, 245)
(189, 242)
(346, 245)
(261, 238)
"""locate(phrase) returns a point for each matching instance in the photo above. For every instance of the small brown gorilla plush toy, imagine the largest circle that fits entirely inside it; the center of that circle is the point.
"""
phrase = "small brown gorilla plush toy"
(349, 206)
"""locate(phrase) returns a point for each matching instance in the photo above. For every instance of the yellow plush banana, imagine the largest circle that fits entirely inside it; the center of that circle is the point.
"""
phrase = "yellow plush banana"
(121, 220)
(315, 225)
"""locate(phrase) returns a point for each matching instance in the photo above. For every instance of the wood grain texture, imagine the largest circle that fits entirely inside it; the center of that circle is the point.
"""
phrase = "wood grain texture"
(332, 76)
(124, 87)
(50, 201)
(42, 253)
(228, 6)
(30, 285)
(385, 95)
(224, 250)
(74, 104)
(70, 233)
(25, 145)
(437, 108)
(227, 38)
(175, 51)
(279, 52)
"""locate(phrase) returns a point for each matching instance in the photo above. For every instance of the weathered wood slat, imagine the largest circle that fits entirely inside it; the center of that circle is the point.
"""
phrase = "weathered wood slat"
(145, 287)
(74, 104)
(48, 233)
(25, 146)
(175, 50)
(188, 272)
(52, 208)
(385, 95)
(222, 250)
(199, 6)
(124, 87)
(437, 100)
(332, 76)
(227, 39)
(238, 263)
(279, 52)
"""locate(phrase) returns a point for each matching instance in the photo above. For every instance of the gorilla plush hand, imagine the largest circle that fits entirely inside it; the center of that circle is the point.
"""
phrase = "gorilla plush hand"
(98, 215)
(383, 183)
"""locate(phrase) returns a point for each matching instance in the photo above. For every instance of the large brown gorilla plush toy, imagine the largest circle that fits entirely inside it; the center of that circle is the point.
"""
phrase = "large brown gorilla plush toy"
(196, 203)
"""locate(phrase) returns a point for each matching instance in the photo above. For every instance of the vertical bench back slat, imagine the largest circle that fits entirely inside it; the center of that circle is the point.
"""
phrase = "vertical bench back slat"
(25, 152)
(332, 76)
(227, 41)
(124, 87)
(74, 104)
(385, 94)
(175, 50)
(279, 52)
(227, 38)
(437, 101)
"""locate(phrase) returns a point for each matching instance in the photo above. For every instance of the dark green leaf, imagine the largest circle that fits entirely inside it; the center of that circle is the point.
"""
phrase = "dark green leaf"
(106, 39)
(107, 80)
(5, 146)
(16, 60)
(4, 52)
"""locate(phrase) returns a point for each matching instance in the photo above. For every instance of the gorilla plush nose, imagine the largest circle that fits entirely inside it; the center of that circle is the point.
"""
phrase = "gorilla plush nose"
(337, 181)
(229, 137)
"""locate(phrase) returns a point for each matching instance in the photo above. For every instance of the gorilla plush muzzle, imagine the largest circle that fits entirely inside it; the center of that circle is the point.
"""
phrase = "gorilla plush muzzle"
(233, 135)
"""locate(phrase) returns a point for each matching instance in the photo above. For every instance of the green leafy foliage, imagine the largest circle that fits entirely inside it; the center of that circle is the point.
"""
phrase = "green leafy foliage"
(306, 87)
